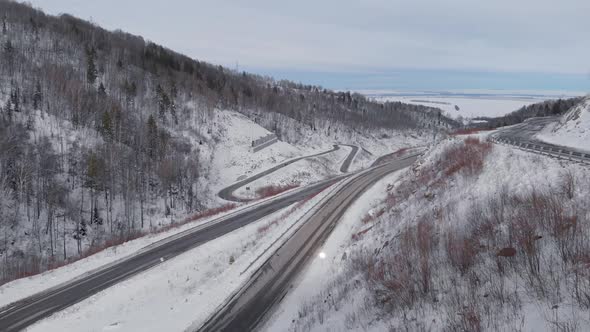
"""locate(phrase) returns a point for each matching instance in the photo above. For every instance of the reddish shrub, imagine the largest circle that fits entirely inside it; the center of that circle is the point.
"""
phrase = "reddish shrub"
(357, 236)
(468, 131)
(273, 190)
(468, 157)
(264, 228)
(506, 252)
(461, 252)
(209, 213)
(38, 266)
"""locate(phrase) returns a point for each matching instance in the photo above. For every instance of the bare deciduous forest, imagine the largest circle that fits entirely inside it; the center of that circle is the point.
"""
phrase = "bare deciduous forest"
(88, 121)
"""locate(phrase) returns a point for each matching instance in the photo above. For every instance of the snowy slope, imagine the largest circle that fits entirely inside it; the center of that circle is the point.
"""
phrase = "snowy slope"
(572, 130)
(180, 293)
(232, 158)
(330, 262)
(343, 292)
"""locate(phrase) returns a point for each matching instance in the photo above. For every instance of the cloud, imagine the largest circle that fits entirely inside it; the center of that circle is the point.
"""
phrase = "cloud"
(500, 35)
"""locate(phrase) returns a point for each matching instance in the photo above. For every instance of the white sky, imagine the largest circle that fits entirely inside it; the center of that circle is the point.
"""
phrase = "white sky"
(547, 36)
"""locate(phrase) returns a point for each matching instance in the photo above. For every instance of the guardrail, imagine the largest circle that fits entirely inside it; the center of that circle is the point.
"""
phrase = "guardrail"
(261, 143)
(547, 150)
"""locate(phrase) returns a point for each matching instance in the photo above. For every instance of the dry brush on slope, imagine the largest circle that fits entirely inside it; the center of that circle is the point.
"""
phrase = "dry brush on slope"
(445, 257)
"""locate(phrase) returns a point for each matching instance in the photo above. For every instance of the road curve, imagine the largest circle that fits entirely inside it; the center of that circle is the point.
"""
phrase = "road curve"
(523, 136)
(269, 283)
(227, 193)
(346, 164)
(21, 314)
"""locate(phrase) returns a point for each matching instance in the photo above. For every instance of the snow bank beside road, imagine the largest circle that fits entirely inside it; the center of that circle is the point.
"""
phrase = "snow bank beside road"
(573, 129)
(183, 291)
(302, 173)
(429, 260)
(330, 261)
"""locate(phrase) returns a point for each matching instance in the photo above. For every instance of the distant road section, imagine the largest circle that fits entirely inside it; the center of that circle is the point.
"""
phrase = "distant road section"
(522, 136)
(348, 161)
(228, 192)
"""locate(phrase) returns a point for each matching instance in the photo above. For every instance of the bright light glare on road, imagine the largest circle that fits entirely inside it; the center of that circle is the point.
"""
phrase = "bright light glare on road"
(322, 255)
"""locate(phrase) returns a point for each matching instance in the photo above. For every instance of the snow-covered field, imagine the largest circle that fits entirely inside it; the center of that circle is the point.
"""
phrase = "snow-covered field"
(348, 290)
(572, 130)
(470, 104)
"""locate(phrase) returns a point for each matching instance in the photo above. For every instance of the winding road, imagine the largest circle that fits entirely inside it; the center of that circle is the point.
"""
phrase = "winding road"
(228, 192)
(23, 313)
(523, 136)
(348, 161)
(247, 307)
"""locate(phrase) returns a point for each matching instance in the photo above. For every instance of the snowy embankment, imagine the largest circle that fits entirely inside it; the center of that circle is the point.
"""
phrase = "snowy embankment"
(24, 287)
(573, 129)
(232, 159)
(474, 237)
(184, 291)
(300, 173)
(330, 261)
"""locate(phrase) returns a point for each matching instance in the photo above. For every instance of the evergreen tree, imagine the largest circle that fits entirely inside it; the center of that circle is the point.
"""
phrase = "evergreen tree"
(30, 122)
(14, 98)
(37, 96)
(106, 126)
(102, 91)
(93, 172)
(96, 219)
(91, 71)
(152, 137)
(130, 90)
(163, 101)
(8, 50)
(173, 94)
(8, 107)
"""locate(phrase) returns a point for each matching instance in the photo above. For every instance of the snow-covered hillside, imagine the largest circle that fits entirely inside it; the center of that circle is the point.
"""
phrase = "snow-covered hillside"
(232, 158)
(572, 130)
(105, 136)
(474, 237)
(187, 288)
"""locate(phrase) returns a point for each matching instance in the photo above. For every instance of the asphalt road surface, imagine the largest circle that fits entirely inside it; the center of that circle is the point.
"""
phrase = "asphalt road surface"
(228, 192)
(346, 164)
(268, 285)
(524, 135)
(21, 314)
